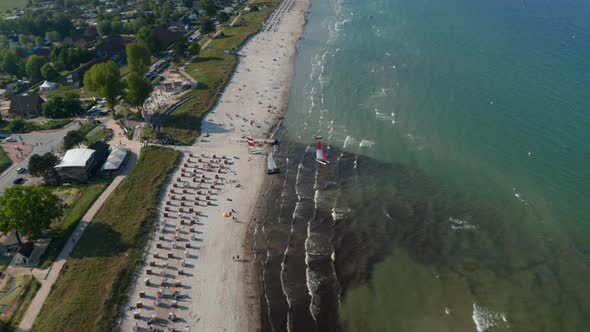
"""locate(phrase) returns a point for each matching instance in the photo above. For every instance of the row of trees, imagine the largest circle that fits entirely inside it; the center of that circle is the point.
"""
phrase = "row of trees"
(38, 23)
(105, 78)
(66, 57)
(62, 107)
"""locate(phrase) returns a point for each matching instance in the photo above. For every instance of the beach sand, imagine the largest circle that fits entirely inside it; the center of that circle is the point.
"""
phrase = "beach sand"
(219, 292)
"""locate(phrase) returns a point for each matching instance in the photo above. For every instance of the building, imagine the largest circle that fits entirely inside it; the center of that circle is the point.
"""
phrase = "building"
(77, 164)
(112, 47)
(26, 105)
(76, 76)
(101, 152)
(115, 159)
(167, 37)
(75, 41)
(23, 254)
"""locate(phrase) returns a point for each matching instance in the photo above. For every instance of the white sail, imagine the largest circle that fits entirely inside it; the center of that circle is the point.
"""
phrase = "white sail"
(272, 166)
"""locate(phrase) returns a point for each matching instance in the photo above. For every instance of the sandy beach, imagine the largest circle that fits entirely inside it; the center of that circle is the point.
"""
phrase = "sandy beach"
(198, 264)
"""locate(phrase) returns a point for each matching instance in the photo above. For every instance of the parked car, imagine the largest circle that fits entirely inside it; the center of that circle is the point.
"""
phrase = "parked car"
(21, 170)
(10, 139)
(19, 181)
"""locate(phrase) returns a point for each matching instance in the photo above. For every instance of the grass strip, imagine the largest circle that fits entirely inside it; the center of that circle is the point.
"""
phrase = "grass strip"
(5, 162)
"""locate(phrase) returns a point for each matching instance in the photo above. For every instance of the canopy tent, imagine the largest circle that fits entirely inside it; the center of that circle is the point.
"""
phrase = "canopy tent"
(115, 158)
(47, 86)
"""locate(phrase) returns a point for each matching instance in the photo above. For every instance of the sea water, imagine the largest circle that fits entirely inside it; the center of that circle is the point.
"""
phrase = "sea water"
(456, 194)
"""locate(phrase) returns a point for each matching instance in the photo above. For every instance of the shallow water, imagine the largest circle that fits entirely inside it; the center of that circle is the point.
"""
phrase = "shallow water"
(455, 199)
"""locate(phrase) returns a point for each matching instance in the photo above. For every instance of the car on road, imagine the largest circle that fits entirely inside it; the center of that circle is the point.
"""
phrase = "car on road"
(10, 139)
(21, 170)
(19, 180)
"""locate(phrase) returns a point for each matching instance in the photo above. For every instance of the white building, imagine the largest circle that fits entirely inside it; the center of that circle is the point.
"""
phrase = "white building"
(77, 164)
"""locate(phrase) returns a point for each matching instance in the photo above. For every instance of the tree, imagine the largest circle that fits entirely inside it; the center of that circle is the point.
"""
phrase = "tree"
(179, 48)
(254, 8)
(52, 36)
(104, 79)
(73, 138)
(33, 67)
(209, 7)
(147, 37)
(207, 25)
(18, 125)
(9, 62)
(222, 17)
(59, 107)
(138, 89)
(104, 28)
(28, 210)
(194, 48)
(49, 72)
(138, 58)
(43, 166)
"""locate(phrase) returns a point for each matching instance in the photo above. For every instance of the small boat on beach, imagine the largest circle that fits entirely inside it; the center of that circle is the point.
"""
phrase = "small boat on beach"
(272, 165)
(320, 155)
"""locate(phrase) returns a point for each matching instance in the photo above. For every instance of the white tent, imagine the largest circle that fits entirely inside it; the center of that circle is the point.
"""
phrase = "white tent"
(115, 158)
(47, 86)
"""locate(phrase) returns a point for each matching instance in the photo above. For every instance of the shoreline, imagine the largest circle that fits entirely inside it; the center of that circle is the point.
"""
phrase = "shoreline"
(251, 104)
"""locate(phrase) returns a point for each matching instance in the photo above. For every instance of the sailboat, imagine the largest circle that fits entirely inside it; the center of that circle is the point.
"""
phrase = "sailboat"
(272, 166)
(320, 154)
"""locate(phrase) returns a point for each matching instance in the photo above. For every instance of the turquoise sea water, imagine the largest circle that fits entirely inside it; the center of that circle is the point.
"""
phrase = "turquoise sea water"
(489, 102)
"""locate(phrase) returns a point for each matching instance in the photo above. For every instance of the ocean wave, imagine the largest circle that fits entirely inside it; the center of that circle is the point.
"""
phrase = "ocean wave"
(366, 143)
(485, 318)
(349, 141)
(340, 213)
(461, 225)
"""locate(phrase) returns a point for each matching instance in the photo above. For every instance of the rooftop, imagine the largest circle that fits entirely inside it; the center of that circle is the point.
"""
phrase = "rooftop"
(75, 158)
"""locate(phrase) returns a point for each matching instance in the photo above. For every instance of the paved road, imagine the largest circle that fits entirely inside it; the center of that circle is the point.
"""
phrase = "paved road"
(46, 285)
(42, 142)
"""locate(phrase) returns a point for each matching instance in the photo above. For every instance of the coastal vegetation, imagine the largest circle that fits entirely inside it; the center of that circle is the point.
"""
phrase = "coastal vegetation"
(93, 287)
(15, 299)
(212, 69)
(79, 199)
(5, 162)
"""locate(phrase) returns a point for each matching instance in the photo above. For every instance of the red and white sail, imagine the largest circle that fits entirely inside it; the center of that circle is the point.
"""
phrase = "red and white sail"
(320, 154)
(251, 142)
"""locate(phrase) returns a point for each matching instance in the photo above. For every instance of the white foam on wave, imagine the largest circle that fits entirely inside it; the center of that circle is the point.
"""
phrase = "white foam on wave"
(340, 213)
(461, 225)
(349, 141)
(485, 319)
(384, 116)
(366, 143)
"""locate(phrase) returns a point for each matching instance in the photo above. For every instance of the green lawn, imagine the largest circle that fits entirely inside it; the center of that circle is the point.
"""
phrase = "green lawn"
(5, 162)
(33, 126)
(11, 4)
(212, 70)
(93, 287)
(62, 91)
(100, 135)
(84, 197)
(15, 301)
